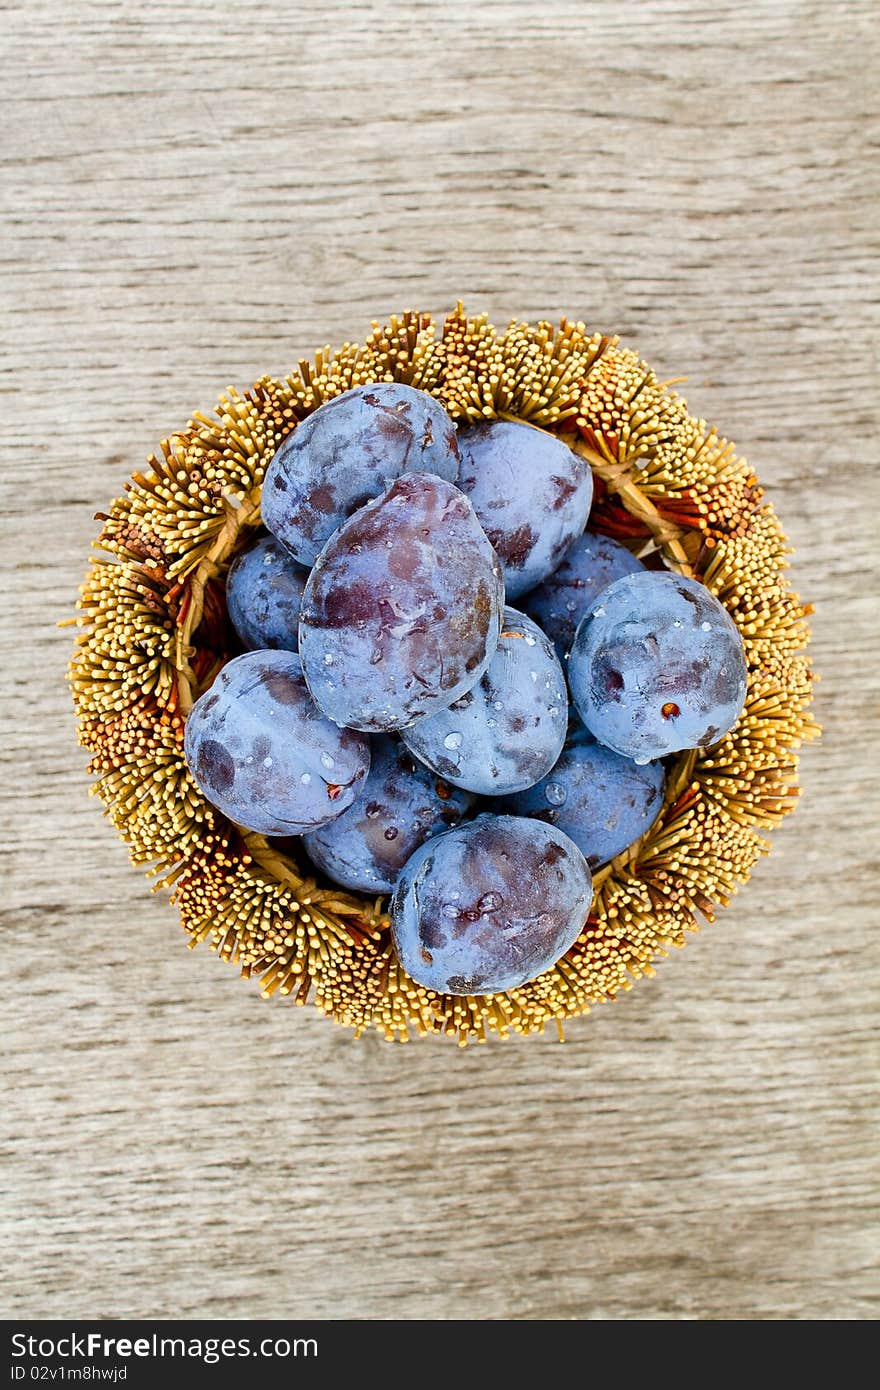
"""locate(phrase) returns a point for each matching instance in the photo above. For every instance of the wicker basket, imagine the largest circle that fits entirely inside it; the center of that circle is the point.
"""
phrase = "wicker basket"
(154, 633)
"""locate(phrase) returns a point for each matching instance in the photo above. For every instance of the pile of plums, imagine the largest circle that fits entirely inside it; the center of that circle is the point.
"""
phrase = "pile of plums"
(424, 738)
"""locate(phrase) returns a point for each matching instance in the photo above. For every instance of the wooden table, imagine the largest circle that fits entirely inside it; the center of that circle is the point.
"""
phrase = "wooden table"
(195, 194)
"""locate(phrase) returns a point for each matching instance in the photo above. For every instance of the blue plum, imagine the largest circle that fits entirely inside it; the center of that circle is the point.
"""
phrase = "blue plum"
(262, 752)
(531, 493)
(508, 730)
(264, 589)
(657, 665)
(402, 611)
(590, 565)
(600, 800)
(490, 905)
(400, 805)
(349, 451)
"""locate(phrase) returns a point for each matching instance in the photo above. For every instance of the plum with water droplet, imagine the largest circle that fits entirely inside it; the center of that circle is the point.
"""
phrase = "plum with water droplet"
(531, 493)
(402, 611)
(507, 731)
(263, 753)
(264, 589)
(601, 800)
(348, 451)
(490, 905)
(657, 665)
(589, 566)
(401, 804)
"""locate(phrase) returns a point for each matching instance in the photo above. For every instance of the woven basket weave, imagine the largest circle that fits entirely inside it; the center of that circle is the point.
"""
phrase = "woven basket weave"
(154, 633)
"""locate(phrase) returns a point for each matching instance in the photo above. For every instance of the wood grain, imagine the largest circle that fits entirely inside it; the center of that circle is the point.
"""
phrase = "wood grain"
(193, 194)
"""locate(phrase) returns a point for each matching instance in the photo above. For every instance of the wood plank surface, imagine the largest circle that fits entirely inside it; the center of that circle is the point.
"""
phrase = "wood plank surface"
(193, 194)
